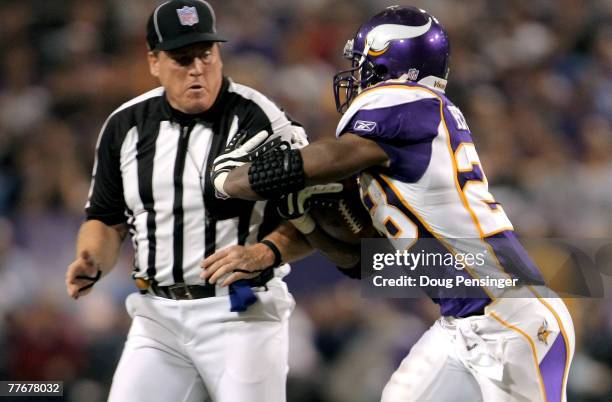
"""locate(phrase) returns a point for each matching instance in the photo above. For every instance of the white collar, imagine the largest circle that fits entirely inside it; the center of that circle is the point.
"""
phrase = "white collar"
(435, 83)
(431, 82)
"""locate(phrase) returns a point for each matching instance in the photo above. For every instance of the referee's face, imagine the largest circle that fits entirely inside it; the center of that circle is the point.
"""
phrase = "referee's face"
(191, 75)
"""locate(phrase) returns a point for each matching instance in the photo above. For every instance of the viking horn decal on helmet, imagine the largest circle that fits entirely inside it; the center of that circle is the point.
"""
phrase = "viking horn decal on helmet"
(379, 37)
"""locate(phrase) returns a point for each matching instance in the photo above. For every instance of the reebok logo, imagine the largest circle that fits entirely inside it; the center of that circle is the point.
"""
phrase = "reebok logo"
(362, 125)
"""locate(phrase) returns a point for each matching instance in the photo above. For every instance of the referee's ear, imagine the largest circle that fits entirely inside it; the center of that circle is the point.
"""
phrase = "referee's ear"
(153, 58)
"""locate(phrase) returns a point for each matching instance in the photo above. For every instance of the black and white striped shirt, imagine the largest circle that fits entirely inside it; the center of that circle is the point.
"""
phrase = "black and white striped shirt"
(152, 172)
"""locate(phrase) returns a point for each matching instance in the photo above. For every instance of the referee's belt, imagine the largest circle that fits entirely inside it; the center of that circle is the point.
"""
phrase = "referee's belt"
(182, 291)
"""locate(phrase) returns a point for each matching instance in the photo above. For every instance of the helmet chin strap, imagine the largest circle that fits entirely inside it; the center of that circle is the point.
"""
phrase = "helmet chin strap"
(362, 60)
(365, 53)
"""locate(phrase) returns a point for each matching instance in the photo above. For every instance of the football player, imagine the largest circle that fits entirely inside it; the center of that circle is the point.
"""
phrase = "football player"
(420, 177)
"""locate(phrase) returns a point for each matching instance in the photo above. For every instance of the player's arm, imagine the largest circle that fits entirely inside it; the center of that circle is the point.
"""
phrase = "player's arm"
(97, 249)
(323, 162)
(295, 206)
(336, 159)
(292, 240)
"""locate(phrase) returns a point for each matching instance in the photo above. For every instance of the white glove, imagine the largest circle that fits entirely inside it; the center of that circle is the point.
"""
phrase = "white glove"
(235, 155)
(294, 206)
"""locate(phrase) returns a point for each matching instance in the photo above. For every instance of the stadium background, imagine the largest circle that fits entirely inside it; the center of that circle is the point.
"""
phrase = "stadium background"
(533, 77)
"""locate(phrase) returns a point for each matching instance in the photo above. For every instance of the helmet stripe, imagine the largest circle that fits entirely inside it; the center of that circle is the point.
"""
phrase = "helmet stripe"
(380, 36)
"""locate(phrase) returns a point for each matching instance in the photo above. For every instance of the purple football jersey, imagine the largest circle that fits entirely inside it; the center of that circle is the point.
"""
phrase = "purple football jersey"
(435, 188)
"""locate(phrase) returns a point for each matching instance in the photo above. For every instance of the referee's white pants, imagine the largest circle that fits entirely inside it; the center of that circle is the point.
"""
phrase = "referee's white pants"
(520, 350)
(197, 350)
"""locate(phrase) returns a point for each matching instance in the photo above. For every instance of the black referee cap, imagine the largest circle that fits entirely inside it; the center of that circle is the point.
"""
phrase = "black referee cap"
(179, 23)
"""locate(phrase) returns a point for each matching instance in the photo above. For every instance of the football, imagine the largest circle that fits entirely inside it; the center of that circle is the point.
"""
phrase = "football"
(343, 217)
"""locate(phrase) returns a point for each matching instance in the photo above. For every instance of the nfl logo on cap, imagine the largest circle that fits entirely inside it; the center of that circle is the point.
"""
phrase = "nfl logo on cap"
(195, 23)
(188, 16)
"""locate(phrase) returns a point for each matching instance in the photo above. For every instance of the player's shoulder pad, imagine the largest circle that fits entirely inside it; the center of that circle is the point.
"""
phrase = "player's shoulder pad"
(384, 95)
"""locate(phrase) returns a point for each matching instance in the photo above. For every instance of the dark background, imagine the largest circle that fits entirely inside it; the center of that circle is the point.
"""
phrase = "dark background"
(533, 77)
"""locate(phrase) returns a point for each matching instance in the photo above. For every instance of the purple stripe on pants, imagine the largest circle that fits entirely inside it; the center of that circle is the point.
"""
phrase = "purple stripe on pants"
(552, 368)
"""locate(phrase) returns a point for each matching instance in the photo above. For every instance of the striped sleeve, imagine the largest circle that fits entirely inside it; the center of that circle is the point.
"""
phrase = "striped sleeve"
(105, 201)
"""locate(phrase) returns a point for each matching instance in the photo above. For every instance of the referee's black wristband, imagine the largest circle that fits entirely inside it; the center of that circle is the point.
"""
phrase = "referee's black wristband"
(278, 259)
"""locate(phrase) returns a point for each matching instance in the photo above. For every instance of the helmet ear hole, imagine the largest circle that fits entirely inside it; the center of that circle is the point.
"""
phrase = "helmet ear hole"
(380, 70)
(372, 74)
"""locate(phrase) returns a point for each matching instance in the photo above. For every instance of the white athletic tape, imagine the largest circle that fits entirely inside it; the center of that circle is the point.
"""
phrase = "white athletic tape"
(219, 183)
(253, 143)
(304, 224)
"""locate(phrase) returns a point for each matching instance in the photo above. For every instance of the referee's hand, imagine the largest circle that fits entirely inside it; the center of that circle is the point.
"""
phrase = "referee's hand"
(241, 262)
(81, 275)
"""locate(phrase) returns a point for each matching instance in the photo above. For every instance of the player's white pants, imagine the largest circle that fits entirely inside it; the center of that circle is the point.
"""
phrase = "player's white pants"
(519, 350)
(197, 350)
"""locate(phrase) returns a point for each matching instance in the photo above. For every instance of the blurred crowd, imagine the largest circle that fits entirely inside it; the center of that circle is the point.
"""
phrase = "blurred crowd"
(533, 77)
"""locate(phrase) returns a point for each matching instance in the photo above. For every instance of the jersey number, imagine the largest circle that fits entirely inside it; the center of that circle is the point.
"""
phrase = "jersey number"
(489, 214)
(387, 218)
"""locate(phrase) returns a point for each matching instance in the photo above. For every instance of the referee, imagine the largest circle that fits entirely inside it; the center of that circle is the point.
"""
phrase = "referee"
(189, 340)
